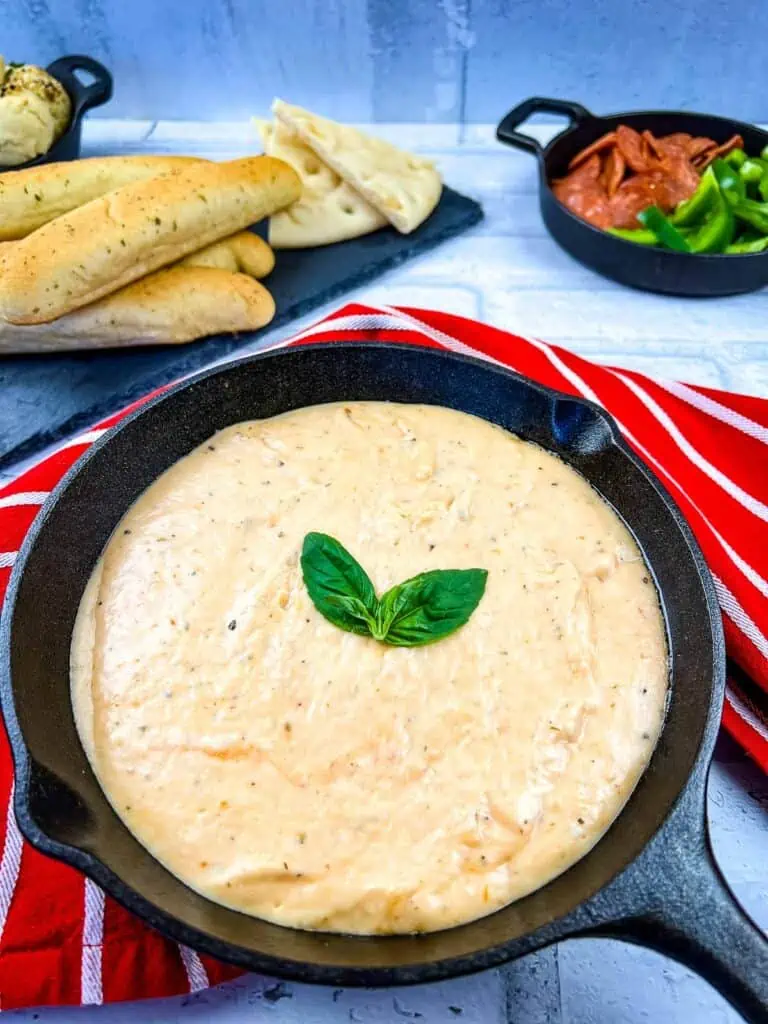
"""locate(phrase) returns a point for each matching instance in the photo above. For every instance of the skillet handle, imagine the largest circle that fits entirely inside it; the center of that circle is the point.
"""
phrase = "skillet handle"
(506, 130)
(83, 96)
(700, 924)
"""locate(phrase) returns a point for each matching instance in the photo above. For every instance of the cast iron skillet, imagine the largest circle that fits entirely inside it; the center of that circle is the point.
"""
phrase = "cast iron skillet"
(83, 98)
(651, 879)
(656, 270)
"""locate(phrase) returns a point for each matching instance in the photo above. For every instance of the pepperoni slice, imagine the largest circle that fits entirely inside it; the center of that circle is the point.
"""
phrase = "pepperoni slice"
(654, 188)
(655, 146)
(699, 147)
(604, 142)
(679, 187)
(634, 148)
(585, 174)
(583, 193)
(675, 146)
(682, 173)
(735, 142)
(682, 139)
(614, 168)
(633, 195)
(674, 161)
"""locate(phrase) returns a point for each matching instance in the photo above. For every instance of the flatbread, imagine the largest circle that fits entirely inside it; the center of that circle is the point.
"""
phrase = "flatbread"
(404, 187)
(328, 211)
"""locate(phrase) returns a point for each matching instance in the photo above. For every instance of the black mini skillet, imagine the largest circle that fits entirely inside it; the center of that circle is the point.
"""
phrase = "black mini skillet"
(656, 270)
(651, 879)
(82, 97)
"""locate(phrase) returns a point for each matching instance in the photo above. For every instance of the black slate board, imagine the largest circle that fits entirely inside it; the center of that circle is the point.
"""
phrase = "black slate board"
(45, 398)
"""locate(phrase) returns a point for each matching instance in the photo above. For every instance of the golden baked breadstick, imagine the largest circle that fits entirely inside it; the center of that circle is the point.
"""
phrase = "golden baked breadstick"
(126, 234)
(169, 307)
(244, 251)
(35, 196)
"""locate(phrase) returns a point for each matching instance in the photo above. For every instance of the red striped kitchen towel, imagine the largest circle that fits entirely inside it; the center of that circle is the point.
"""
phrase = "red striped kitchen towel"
(61, 941)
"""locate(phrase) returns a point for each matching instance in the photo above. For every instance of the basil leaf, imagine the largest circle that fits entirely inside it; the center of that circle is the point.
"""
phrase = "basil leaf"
(429, 607)
(419, 611)
(340, 588)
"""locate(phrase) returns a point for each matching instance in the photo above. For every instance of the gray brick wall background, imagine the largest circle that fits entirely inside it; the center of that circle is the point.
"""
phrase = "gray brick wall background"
(405, 60)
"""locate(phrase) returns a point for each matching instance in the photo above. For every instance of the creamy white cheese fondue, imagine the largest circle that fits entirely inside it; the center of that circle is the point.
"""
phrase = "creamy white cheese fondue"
(324, 780)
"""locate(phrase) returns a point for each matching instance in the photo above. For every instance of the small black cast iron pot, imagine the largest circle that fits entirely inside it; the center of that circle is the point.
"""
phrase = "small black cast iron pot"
(655, 270)
(651, 879)
(83, 99)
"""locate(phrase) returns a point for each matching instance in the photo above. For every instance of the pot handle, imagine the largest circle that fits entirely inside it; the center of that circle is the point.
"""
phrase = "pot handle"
(506, 130)
(83, 96)
(699, 923)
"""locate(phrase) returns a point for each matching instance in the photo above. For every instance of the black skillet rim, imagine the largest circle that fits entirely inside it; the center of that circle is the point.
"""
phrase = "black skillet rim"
(545, 153)
(580, 920)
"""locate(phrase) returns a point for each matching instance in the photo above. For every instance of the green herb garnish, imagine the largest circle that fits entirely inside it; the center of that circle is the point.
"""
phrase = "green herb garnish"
(340, 588)
(422, 610)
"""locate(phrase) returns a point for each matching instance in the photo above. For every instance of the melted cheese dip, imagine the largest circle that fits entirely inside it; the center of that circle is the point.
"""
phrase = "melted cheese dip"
(323, 780)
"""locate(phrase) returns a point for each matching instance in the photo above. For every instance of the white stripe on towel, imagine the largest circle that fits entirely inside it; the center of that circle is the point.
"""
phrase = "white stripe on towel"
(715, 409)
(10, 864)
(24, 498)
(197, 976)
(91, 993)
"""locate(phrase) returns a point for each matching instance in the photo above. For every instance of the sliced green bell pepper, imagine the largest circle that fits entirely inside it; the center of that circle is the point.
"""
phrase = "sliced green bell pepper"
(743, 248)
(754, 214)
(752, 171)
(640, 236)
(695, 209)
(723, 215)
(654, 220)
(717, 230)
(730, 181)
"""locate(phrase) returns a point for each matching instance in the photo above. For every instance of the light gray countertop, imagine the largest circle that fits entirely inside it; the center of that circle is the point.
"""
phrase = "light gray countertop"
(509, 273)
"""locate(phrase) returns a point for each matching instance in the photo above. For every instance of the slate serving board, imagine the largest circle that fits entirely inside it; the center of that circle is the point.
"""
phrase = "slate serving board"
(45, 398)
